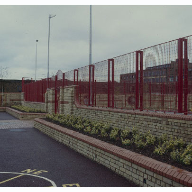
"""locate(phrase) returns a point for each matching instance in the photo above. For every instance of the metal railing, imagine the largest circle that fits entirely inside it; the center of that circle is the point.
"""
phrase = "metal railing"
(157, 78)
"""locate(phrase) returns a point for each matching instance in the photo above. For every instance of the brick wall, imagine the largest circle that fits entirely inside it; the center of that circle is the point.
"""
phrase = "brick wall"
(10, 99)
(35, 105)
(157, 123)
(23, 115)
(141, 170)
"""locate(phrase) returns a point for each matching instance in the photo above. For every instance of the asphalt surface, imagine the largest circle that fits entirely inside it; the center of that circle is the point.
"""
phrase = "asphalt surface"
(31, 159)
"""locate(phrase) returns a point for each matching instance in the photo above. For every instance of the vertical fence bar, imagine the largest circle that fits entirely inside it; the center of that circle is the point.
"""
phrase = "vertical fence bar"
(185, 77)
(91, 85)
(80, 91)
(180, 75)
(75, 77)
(89, 100)
(141, 80)
(150, 93)
(63, 79)
(113, 75)
(55, 94)
(110, 83)
(22, 84)
(95, 93)
(124, 92)
(137, 82)
(162, 95)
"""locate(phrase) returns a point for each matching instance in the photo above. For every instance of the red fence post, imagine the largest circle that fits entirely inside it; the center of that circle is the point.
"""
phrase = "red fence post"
(141, 80)
(22, 84)
(137, 93)
(150, 93)
(75, 77)
(180, 75)
(137, 82)
(63, 79)
(91, 85)
(113, 87)
(95, 93)
(185, 77)
(80, 91)
(162, 95)
(110, 84)
(55, 94)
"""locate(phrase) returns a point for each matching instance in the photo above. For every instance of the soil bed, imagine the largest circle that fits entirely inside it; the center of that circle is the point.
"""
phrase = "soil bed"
(148, 151)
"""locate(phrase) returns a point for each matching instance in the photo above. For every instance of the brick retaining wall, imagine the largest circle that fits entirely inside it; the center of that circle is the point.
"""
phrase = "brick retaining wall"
(158, 123)
(140, 169)
(24, 116)
(10, 99)
(35, 105)
(2, 109)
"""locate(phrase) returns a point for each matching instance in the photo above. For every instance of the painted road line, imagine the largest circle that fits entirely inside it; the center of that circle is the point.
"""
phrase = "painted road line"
(10, 179)
(21, 174)
(71, 185)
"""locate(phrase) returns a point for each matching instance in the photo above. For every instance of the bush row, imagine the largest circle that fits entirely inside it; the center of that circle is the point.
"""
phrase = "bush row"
(27, 109)
(176, 148)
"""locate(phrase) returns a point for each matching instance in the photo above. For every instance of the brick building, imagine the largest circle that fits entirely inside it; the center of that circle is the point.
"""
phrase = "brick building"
(10, 85)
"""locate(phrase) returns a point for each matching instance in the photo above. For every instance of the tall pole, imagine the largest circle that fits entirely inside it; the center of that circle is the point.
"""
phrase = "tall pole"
(50, 16)
(90, 57)
(90, 38)
(36, 61)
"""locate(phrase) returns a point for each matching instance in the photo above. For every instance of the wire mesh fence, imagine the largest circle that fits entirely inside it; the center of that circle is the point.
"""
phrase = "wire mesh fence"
(157, 78)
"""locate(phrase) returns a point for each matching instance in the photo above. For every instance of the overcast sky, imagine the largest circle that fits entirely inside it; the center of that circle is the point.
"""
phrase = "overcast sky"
(116, 30)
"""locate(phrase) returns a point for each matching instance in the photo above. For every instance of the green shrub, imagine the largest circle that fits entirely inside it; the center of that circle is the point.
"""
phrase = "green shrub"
(159, 150)
(187, 155)
(87, 129)
(176, 155)
(114, 135)
(126, 142)
(95, 128)
(150, 139)
(175, 147)
(124, 133)
(187, 160)
(27, 109)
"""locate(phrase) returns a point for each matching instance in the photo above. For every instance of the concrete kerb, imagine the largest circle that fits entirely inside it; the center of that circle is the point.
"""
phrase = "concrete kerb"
(22, 115)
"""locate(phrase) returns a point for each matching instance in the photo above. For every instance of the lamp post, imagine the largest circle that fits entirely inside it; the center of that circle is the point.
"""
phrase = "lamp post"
(36, 61)
(90, 56)
(90, 37)
(50, 16)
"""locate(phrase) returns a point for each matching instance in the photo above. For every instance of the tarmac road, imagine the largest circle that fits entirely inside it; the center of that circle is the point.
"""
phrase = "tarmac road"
(29, 159)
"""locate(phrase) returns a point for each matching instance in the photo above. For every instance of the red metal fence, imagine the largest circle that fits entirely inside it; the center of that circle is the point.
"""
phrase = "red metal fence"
(157, 78)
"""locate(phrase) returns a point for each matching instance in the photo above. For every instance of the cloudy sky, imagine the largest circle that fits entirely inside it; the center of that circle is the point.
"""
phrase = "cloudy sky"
(117, 29)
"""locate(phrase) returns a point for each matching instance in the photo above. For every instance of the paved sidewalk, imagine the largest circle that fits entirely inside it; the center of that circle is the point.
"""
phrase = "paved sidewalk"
(7, 122)
(30, 158)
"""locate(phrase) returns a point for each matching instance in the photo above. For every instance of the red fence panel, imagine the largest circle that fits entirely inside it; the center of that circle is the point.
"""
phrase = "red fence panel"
(157, 78)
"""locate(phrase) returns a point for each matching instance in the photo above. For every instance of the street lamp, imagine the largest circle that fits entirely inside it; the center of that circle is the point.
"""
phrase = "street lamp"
(50, 16)
(36, 60)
